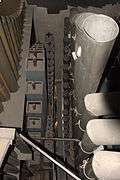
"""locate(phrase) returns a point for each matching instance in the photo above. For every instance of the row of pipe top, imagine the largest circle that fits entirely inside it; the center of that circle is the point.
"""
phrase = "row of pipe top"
(11, 27)
(94, 37)
(50, 81)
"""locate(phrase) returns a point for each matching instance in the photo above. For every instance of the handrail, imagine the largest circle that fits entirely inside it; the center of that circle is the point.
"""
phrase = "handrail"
(49, 157)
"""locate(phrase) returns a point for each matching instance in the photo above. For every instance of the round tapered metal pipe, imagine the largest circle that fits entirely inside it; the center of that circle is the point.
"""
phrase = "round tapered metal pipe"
(102, 104)
(106, 165)
(104, 131)
(95, 37)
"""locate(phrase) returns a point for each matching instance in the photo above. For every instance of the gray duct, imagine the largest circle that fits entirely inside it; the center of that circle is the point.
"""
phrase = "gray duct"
(95, 36)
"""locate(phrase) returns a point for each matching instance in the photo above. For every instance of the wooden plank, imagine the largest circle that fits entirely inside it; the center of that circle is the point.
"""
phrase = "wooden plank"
(7, 133)
(4, 145)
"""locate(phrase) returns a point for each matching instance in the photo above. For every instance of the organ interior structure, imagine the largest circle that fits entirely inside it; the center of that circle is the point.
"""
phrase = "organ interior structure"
(59, 90)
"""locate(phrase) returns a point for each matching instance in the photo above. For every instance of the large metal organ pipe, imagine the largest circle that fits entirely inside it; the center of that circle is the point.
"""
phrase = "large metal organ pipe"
(103, 165)
(95, 35)
(103, 104)
(106, 165)
(104, 131)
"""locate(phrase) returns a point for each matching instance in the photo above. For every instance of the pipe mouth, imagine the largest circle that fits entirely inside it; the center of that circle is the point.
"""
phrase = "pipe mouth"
(100, 28)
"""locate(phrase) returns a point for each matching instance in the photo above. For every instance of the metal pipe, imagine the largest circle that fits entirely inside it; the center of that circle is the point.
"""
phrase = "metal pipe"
(49, 157)
(95, 37)
(106, 165)
(104, 131)
(101, 104)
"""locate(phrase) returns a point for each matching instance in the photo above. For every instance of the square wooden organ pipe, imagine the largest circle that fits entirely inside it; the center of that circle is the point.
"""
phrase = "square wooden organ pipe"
(11, 22)
(50, 64)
